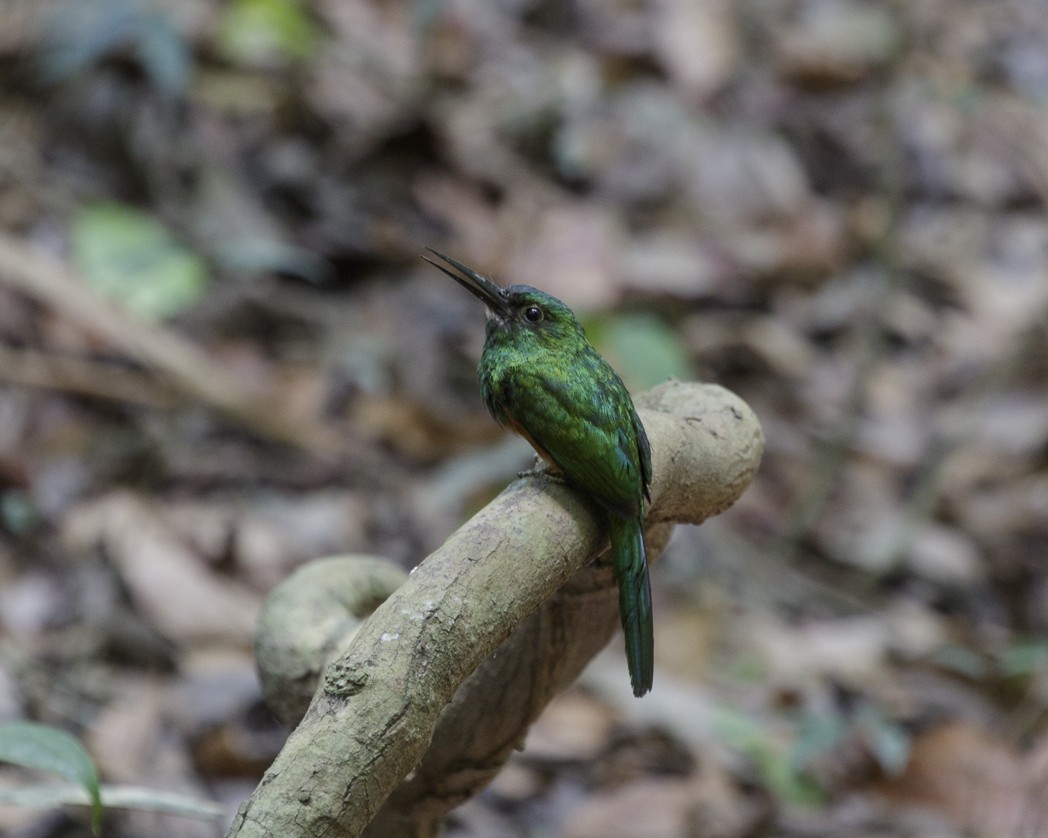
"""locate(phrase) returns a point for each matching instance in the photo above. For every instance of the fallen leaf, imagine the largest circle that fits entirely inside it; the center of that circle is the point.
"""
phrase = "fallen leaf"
(974, 778)
(167, 582)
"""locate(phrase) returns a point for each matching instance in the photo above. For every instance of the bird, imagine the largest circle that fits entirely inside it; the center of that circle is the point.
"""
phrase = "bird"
(541, 378)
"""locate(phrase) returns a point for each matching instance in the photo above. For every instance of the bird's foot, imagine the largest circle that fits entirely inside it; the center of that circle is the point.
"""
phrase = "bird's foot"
(542, 470)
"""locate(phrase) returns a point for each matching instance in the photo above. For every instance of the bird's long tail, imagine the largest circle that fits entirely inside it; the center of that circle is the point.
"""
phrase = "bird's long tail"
(630, 564)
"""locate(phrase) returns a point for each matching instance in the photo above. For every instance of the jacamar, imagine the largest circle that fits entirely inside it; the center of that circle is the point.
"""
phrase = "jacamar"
(541, 378)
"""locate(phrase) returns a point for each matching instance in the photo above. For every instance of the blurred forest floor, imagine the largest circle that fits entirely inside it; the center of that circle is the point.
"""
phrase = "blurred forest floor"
(835, 208)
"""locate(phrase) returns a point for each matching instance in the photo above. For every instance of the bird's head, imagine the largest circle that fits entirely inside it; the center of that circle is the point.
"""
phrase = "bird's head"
(527, 316)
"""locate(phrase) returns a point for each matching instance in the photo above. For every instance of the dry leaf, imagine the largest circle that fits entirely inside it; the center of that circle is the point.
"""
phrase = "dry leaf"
(973, 778)
(167, 581)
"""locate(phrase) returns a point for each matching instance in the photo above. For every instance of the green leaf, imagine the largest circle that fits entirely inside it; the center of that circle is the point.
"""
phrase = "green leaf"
(816, 736)
(258, 31)
(772, 760)
(643, 349)
(1024, 658)
(55, 751)
(132, 258)
(887, 741)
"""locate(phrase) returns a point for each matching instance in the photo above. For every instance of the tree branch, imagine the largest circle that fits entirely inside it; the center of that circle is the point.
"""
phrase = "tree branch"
(388, 706)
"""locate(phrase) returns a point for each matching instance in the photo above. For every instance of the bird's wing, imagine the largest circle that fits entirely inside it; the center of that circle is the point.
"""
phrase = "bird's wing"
(593, 440)
(643, 452)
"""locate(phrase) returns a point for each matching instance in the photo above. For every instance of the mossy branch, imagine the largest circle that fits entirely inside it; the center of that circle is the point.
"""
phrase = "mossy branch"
(418, 689)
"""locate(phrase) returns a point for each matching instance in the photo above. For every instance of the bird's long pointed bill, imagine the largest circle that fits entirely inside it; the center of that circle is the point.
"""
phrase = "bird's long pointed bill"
(487, 291)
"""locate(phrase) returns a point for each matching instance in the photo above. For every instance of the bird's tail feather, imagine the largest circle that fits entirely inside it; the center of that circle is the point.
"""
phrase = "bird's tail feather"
(630, 563)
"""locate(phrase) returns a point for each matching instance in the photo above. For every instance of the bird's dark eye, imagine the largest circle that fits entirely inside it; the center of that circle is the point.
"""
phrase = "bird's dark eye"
(533, 314)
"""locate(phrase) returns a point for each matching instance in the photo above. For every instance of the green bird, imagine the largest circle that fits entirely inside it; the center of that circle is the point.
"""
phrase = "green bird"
(541, 378)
